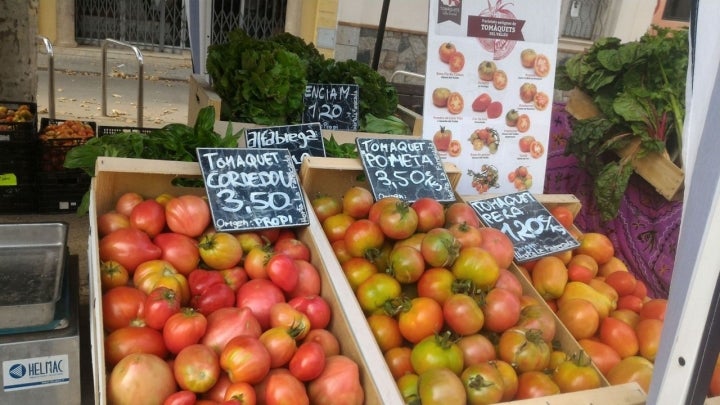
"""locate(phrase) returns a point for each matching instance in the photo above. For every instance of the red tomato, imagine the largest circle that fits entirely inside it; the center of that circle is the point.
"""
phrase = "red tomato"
(508, 281)
(216, 296)
(463, 315)
(476, 349)
(459, 212)
(604, 356)
(456, 62)
(477, 265)
(437, 351)
(292, 320)
(183, 329)
(152, 274)
(654, 308)
(183, 397)
(525, 349)
(622, 281)
(406, 264)
(376, 290)
(563, 215)
(430, 212)
(199, 280)
(309, 282)
(326, 339)
(292, 247)
(245, 359)
(535, 384)
(234, 277)
(255, 260)
(259, 295)
(580, 317)
(282, 271)
(281, 387)
(133, 339)
(357, 201)
(220, 250)
(419, 318)
(632, 369)
(620, 336)
(280, 344)
(386, 331)
(218, 391)
(111, 221)
(436, 283)
(363, 237)
(241, 392)
(196, 368)
(576, 374)
(179, 250)
(398, 221)
(112, 274)
(379, 206)
(227, 323)
(538, 317)
(398, 361)
(325, 206)
(338, 384)
(502, 310)
(149, 217)
(140, 378)
(491, 389)
(307, 362)
(466, 235)
(129, 247)
(121, 306)
(315, 307)
(648, 332)
(188, 215)
(439, 247)
(159, 305)
(499, 245)
(125, 204)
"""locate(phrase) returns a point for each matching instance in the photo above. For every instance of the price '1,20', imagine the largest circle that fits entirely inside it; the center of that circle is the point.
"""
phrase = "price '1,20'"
(258, 200)
(326, 111)
(404, 178)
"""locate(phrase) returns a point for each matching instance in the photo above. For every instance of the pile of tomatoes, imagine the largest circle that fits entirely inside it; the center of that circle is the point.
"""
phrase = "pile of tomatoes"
(195, 316)
(451, 319)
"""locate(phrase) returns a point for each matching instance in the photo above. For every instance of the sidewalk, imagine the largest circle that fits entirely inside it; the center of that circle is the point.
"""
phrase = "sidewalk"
(78, 86)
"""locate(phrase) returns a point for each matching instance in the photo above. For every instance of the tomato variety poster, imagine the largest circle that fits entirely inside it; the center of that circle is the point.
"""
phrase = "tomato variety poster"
(488, 90)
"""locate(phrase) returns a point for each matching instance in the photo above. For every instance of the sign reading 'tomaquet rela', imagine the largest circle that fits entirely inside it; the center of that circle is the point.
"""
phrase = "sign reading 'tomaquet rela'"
(252, 188)
(405, 168)
(533, 230)
(301, 140)
(334, 106)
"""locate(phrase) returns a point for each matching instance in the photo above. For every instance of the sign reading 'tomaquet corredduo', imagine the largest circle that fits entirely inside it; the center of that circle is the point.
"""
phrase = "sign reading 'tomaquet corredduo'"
(488, 90)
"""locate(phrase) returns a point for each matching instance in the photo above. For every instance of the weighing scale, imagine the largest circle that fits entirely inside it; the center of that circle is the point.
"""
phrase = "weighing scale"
(41, 364)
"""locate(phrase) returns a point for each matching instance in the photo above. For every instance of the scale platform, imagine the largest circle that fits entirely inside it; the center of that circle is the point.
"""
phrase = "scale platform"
(41, 364)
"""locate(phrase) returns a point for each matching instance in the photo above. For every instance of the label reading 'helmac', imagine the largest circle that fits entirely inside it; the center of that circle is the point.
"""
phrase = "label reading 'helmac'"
(35, 372)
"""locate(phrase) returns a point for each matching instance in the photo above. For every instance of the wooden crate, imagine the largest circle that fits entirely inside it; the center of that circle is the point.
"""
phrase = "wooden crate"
(201, 95)
(115, 176)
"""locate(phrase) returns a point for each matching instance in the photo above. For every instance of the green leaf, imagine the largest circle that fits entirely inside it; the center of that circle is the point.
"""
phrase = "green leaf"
(610, 186)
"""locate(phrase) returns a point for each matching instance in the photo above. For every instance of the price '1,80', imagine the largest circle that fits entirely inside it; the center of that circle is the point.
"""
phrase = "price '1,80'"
(404, 178)
(258, 200)
(326, 111)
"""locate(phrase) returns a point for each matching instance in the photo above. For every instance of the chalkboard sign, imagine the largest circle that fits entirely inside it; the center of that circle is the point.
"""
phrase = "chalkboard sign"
(406, 168)
(252, 188)
(334, 106)
(301, 140)
(532, 229)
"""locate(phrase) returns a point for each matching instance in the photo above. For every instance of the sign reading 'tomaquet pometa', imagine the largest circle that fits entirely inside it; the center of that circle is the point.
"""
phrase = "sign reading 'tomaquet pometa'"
(252, 188)
(405, 168)
(533, 230)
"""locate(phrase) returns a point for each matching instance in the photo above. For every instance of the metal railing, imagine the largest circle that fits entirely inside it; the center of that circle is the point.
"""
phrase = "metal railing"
(141, 77)
(51, 75)
(405, 73)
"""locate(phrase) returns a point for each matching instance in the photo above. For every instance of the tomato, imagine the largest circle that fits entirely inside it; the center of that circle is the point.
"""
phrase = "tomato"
(441, 139)
(218, 391)
(363, 237)
(326, 339)
(654, 308)
(121, 306)
(112, 274)
(148, 216)
(398, 221)
(140, 378)
(576, 374)
(510, 378)
(430, 212)
(249, 240)
(196, 368)
(640, 289)
(455, 103)
(152, 274)
(307, 362)
(338, 384)
(292, 247)
(527, 57)
(523, 125)
(259, 295)
(315, 307)
(379, 206)
(563, 215)
(436, 283)
(183, 329)
(540, 317)
(541, 100)
(476, 348)
(527, 92)
(597, 246)
(245, 359)
(408, 386)
(501, 309)
(179, 250)
(376, 290)
(508, 281)
(467, 235)
(111, 221)
(438, 386)
(199, 280)
(280, 344)
(286, 316)
(620, 336)
(340, 250)
(309, 282)
(227, 323)
(216, 296)
(541, 65)
(462, 314)
(500, 79)
(282, 271)
(630, 302)
(133, 339)
(580, 317)
(125, 204)
(188, 215)
(483, 384)
(455, 148)
(325, 206)
(398, 361)
(459, 212)
(604, 356)
(477, 265)
(159, 305)
(419, 318)
(386, 331)
(406, 264)
(437, 351)
(439, 247)
(242, 392)
(535, 384)
(446, 50)
(648, 332)
(356, 202)
(183, 397)
(357, 270)
(494, 110)
(481, 102)
(129, 247)
(254, 263)
(537, 149)
(220, 250)
(499, 245)
(632, 369)
(456, 62)
(628, 316)
(281, 387)
(524, 349)
(549, 277)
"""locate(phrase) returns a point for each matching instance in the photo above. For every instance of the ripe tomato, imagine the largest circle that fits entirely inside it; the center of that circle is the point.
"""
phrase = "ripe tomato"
(282, 271)
(462, 314)
(509, 281)
(183, 397)
(245, 359)
(549, 277)
(285, 316)
(456, 62)
(133, 339)
(632, 369)
(227, 323)
(510, 379)
(563, 215)
(525, 349)
(436, 283)
(620, 336)
(398, 361)
(398, 221)
(538, 317)
(580, 317)
(459, 212)
(455, 103)
(255, 260)
(476, 348)
(466, 235)
(179, 250)
(259, 296)
(125, 204)
(483, 383)
(654, 308)
(356, 202)
(111, 221)
(502, 310)
(446, 50)
(537, 149)
(326, 339)
(308, 361)
(220, 250)
(406, 264)
(363, 237)
(280, 344)
(357, 270)
(121, 306)
(500, 79)
(292, 247)
(541, 65)
(325, 206)
(604, 356)
(376, 290)
(129, 247)
(140, 378)
(576, 374)
(188, 215)
(439, 247)
(315, 307)
(597, 246)
(152, 274)
(249, 240)
(183, 329)
(281, 387)
(419, 318)
(159, 305)
(196, 368)
(234, 277)
(535, 384)
(430, 212)
(148, 216)
(379, 206)
(523, 125)
(112, 274)
(339, 383)
(648, 333)
(437, 351)
(499, 245)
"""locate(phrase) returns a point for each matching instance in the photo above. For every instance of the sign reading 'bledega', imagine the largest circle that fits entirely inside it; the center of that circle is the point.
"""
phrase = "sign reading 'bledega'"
(252, 188)
(301, 140)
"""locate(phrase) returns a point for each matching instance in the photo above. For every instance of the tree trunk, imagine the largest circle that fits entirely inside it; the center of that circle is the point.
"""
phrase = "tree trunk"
(18, 50)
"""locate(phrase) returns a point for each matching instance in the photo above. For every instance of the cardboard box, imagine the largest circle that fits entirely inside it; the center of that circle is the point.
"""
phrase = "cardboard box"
(333, 176)
(115, 176)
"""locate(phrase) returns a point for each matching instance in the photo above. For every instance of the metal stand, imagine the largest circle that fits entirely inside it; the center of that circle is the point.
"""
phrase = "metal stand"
(141, 77)
(51, 75)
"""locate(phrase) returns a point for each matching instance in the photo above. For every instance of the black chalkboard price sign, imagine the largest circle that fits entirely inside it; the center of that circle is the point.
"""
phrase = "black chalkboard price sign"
(406, 168)
(334, 106)
(301, 140)
(252, 188)
(533, 230)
